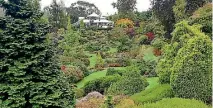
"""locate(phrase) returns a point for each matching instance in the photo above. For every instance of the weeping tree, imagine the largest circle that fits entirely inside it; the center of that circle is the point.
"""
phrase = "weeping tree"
(29, 74)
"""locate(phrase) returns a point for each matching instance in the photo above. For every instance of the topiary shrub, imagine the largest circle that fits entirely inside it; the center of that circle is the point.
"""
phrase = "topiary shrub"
(100, 85)
(182, 33)
(192, 69)
(176, 103)
(154, 94)
(131, 82)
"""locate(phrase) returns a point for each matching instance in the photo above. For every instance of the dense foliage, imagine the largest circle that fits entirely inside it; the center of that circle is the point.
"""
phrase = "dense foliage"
(101, 85)
(187, 80)
(203, 16)
(176, 103)
(30, 76)
(131, 82)
(154, 94)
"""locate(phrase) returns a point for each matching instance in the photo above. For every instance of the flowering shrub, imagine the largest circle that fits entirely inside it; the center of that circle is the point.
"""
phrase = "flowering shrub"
(130, 32)
(150, 36)
(157, 52)
(125, 23)
(74, 74)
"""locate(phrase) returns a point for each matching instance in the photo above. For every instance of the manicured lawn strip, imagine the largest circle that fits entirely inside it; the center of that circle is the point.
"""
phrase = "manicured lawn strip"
(96, 75)
(153, 82)
(91, 77)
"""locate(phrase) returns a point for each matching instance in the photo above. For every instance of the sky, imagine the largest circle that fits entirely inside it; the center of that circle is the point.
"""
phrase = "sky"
(104, 5)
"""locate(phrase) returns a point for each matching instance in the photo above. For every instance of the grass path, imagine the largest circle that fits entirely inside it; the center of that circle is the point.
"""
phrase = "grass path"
(153, 82)
(91, 77)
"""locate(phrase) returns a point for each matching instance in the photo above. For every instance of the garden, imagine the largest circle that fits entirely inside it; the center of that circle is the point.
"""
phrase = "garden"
(159, 58)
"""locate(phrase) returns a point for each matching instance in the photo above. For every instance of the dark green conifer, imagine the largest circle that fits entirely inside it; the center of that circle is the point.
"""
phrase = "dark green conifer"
(29, 75)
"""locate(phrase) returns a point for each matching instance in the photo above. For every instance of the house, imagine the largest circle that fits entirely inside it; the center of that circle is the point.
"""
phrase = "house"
(95, 20)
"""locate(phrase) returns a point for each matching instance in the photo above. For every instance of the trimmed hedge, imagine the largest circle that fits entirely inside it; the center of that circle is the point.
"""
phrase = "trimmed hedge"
(177, 103)
(154, 94)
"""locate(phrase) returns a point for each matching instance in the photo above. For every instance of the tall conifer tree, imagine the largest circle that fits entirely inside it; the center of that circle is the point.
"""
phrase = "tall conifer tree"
(29, 75)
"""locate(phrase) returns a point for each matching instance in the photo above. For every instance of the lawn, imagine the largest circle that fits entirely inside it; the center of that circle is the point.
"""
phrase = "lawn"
(91, 77)
(153, 82)
(96, 75)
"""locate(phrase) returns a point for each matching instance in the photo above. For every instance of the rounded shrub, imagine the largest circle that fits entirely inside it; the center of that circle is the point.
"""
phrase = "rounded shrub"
(176, 103)
(132, 82)
(113, 71)
(192, 71)
(101, 85)
(154, 94)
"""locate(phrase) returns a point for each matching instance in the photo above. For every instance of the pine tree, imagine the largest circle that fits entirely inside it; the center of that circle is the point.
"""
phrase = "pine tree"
(29, 75)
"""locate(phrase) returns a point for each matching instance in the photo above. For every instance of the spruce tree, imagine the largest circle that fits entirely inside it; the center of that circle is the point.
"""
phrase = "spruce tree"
(29, 75)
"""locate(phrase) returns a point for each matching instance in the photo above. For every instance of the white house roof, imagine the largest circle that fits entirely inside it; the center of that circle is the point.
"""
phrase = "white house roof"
(103, 21)
(86, 21)
(93, 15)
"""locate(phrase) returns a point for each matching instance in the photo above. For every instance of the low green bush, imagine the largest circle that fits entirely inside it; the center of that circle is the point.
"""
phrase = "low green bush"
(112, 71)
(153, 94)
(177, 103)
(130, 83)
(101, 85)
(79, 93)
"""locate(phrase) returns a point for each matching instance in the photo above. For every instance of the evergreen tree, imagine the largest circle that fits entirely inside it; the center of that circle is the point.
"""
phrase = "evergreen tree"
(29, 75)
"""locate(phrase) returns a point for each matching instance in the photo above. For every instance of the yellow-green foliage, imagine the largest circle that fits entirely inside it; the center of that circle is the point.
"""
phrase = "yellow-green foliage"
(154, 94)
(179, 10)
(192, 69)
(182, 33)
(132, 82)
(176, 103)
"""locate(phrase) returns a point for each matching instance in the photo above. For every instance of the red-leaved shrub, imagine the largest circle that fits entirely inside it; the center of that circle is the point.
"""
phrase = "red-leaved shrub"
(150, 36)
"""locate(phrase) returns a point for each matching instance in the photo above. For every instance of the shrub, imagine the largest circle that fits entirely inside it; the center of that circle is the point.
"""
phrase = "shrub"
(130, 83)
(125, 23)
(179, 10)
(150, 36)
(203, 16)
(158, 43)
(176, 103)
(143, 39)
(79, 93)
(126, 103)
(153, 94)
(125, 44)
(99, 61)
(182, 33)
(112, 71)
(74, 74)
(146, 67)
(192, 71)
(101, 84)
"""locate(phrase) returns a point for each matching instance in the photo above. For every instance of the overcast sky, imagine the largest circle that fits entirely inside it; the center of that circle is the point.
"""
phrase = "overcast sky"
(104, 5)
